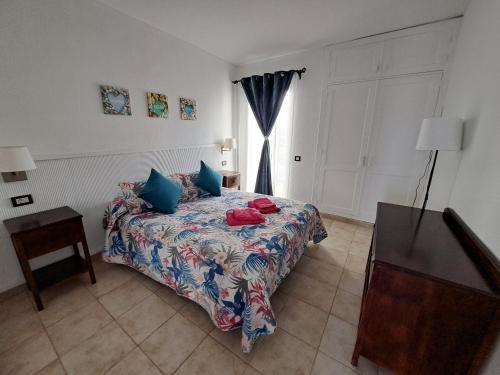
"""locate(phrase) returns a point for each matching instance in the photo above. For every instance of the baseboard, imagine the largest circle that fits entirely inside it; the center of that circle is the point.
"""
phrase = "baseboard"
(347, 220)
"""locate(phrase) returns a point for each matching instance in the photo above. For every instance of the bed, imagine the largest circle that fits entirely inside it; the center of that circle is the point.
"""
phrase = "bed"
(231, 271)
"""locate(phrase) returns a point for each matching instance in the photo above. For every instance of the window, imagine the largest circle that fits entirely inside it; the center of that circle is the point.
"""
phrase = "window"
(280, 142)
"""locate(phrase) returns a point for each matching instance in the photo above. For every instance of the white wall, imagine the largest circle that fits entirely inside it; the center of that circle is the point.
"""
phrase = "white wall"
(53, 56)
(474, 94)
(307, 110)
(55, 53)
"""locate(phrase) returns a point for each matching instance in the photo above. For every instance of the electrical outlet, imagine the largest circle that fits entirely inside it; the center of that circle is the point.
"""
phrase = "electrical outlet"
(224, 163)
(21, 200)
(298, 158)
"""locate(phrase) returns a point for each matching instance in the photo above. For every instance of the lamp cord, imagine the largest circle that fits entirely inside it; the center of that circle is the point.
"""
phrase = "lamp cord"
(421, 178)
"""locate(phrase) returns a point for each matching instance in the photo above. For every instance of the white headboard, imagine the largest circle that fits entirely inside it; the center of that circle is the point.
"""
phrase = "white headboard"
(87, 183)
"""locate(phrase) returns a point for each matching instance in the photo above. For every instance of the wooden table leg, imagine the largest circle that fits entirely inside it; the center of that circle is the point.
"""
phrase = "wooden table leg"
(355, 354)
(25, 266)
(87, 257)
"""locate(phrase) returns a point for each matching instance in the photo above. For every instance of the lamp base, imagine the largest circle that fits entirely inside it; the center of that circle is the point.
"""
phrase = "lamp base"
(14, 176)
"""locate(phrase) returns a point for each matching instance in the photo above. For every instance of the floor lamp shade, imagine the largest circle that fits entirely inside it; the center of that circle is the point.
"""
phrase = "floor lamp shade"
(441, 133)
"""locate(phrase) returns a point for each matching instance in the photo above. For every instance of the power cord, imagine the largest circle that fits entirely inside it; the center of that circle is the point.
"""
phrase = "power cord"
(426, 170)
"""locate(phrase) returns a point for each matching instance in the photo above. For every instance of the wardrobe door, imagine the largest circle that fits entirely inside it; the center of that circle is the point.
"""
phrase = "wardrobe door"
(343, 146)
(427, 48)
(393, 163)
(356, 63)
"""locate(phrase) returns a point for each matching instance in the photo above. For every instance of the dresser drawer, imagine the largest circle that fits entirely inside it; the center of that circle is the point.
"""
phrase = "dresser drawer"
(45, 239)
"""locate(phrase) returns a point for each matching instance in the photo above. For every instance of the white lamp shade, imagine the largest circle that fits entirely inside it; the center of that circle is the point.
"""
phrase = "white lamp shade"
(441, 133)
(16, 159)
(229, 143)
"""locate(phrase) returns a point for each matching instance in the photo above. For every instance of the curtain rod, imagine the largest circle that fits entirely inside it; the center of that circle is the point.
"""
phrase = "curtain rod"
(298, 71)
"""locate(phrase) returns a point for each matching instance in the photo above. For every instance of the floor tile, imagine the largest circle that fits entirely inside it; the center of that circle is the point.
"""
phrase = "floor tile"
(365, 230)
(281, 353)
(54, 368)
(232, 341)
(303, 321)
(327, 222)
(278, 301)
(111, 278)
(211, 358)
(10, 293)
(62, 299)
(123, 298)
(327, 366)
(341, 233)
(356, 263)
(362, 238)
(338, 343)
(134, 363)
(347, 306)
(197, 314)
(338, 339)
(169, 296)
(308, 290)
(251, 371)
(98, 353)
(359, 249)
(327, 254)
(148, 282)
(320, 271)
(339, 224)
(140, 321)
(78, 326)
(100, 265)
(336, 242)
(15, 305)
(172, 343)
(352, 282)
(18, 328)
(28, 357)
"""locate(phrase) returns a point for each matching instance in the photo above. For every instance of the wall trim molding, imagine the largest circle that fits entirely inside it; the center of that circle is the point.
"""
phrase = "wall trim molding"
(61, 156)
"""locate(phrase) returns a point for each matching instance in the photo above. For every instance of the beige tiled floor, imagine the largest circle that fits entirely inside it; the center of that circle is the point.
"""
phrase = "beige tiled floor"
(96, 329)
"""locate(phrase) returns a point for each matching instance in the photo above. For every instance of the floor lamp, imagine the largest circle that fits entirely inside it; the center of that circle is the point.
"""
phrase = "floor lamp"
(439, 134)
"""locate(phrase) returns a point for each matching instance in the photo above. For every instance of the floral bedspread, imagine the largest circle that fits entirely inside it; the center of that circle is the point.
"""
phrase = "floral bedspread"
(231, 271)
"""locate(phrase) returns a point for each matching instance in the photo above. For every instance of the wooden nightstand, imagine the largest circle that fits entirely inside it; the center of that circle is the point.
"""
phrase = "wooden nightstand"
(230, 179)
(42, 233)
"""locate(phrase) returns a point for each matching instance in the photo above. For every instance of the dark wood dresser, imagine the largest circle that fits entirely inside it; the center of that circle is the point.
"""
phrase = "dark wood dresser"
(431, 302)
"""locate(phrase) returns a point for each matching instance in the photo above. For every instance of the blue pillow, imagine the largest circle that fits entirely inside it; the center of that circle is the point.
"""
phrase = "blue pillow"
(161, 192)
(209, 180)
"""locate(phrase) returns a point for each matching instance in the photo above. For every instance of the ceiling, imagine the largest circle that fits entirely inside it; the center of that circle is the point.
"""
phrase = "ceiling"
(243, 31)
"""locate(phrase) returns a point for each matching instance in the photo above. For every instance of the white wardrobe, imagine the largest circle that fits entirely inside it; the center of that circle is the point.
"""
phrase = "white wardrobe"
(378, 91)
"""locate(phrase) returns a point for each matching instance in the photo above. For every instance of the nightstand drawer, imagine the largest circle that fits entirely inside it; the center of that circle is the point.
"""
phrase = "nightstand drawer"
(45, 239)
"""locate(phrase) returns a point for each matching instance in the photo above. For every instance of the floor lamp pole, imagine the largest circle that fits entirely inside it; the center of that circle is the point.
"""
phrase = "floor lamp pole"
(430, 179)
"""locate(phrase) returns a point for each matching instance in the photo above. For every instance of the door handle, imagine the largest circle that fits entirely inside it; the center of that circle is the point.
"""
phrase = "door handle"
(364, 160)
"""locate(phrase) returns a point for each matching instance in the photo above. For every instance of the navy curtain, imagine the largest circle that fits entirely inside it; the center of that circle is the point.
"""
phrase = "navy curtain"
(265, 95)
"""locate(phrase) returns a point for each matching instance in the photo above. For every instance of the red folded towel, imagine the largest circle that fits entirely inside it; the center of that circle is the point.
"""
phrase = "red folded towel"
(244, 216)
(264, 205)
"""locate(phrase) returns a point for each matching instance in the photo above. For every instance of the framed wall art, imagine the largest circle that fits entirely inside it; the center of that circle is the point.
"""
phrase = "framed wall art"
(187, 109)
(115, 100)
(157, 105)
